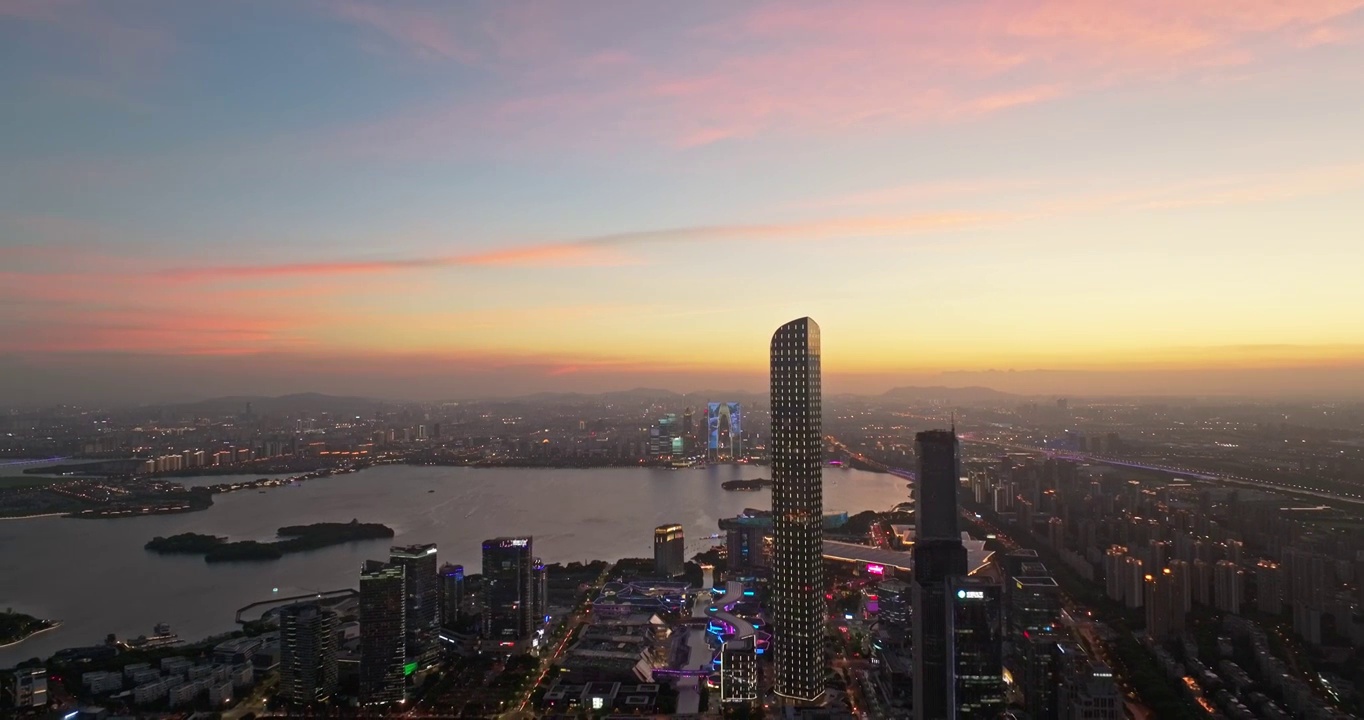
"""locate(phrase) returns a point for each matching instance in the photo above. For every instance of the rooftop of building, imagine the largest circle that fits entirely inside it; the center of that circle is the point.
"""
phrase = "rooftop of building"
(976, 554)
(1039, 581)
(412, 551)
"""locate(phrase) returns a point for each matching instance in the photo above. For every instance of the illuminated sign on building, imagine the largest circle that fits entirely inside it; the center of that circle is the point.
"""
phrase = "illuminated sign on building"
(518, 542)
(874, 569)
(971, 594)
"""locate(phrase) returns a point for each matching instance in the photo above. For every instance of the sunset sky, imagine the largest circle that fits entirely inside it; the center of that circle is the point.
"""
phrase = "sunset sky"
(435, 200)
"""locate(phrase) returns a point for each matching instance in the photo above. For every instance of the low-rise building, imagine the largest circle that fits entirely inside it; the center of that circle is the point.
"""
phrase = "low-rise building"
(184, 694)
(199, 672)
(175, 665)
(130, 671)
(155, 691)
(237, 650)
(99, 683)
(242, 676)
(220, 694)
(28, 688)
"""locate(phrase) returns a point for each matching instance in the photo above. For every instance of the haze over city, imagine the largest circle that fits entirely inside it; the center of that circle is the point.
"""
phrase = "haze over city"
(435, 200)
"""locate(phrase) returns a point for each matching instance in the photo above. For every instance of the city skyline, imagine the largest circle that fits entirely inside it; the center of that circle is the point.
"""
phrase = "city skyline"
(1070, 197)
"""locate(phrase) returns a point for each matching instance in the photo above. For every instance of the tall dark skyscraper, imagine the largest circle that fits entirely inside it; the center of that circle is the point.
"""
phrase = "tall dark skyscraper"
(975, 644)
(451, 594)
(383, 632)
(938, 481)
(307, 654)
(423, 601)
(508, 596)
(938, 557)
(797, 513)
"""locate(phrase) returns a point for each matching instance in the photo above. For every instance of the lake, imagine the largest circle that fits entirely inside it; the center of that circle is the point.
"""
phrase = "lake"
(95, 576)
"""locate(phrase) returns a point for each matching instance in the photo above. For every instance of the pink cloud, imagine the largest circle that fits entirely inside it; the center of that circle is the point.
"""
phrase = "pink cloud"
(160, 330)
(601, 250)
(792, 68)
(556, 255)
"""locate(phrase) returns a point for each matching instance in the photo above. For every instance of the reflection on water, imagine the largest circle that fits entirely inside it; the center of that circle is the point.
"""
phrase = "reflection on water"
(95, 576)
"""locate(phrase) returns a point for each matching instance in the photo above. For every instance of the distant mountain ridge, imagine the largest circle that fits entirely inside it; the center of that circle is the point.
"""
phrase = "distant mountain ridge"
(292, 403)
(349, 405)
(941, 393)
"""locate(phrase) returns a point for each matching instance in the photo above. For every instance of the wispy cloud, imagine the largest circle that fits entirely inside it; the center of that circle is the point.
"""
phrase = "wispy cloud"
(809, 68)
(601, 250)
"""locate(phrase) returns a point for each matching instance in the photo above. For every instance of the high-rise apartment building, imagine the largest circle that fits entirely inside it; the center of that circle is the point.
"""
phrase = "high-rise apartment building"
(383, 633)
(1228, 587)
(508, 602)
(423, 601)
(1201, 575)
(1159, 605)
(1114, 566)
(1182, 576)
(307, 654)
(797, 450)
(1269, 588)
(938, 558)
(670, 550)
(1134, 592)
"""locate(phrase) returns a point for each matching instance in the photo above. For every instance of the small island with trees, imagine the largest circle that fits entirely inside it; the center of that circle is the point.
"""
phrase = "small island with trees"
(293, 538)
(17, 627)
(746, 485)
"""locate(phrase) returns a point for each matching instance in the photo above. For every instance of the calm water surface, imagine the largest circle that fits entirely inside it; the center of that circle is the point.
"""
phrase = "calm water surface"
(95, 576)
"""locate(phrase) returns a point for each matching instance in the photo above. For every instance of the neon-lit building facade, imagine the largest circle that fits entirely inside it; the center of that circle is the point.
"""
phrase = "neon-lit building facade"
(724, 430)
(797, 590)
(739, 671)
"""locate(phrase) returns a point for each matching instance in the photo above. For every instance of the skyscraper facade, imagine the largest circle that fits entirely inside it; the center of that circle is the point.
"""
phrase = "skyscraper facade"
(975, 648)
(539, 591)
(451, 594)
(508, 600)
(938, 557)
(670, 552)
(938, 480)
(383, 632)
(307, 654)
(423, 601)
(797, 513)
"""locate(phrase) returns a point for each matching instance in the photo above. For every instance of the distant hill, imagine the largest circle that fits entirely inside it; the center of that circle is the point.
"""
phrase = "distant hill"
(947, 394)
(283, 404)
(637, 394)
